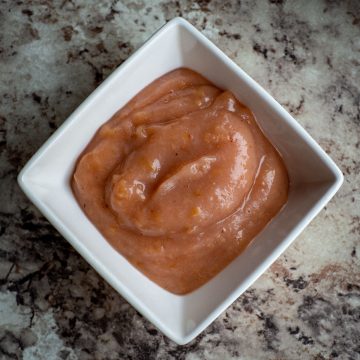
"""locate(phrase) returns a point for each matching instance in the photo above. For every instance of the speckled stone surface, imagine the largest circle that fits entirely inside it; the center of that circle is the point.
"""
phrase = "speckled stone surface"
(54, 53)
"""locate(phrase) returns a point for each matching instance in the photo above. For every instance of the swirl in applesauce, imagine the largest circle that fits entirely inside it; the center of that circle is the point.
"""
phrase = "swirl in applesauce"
(180, 180)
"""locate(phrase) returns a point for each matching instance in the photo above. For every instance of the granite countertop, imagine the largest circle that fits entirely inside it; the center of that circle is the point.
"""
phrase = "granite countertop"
(52, 56)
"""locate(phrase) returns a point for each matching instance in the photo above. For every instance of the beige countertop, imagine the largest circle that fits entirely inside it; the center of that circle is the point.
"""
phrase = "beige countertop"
(54, 53)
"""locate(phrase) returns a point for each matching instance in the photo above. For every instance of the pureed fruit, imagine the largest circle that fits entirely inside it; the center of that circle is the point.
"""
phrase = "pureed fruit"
(180, 180)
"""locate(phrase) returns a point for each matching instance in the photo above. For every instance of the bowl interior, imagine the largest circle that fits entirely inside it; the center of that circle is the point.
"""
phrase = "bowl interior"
(45, 179)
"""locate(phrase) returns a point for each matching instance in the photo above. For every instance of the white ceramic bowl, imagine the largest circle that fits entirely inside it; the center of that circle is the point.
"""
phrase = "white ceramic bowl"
(46, 180)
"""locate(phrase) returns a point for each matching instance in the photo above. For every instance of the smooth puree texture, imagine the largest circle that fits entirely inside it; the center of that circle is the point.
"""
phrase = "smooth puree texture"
(180, 180)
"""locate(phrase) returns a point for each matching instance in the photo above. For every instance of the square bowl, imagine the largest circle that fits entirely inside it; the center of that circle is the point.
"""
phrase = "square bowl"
(314, 179)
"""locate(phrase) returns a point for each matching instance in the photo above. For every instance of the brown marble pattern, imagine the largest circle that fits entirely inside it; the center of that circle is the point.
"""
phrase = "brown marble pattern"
(54, 53)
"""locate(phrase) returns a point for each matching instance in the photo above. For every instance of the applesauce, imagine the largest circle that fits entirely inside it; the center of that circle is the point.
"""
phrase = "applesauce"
(180, 180)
